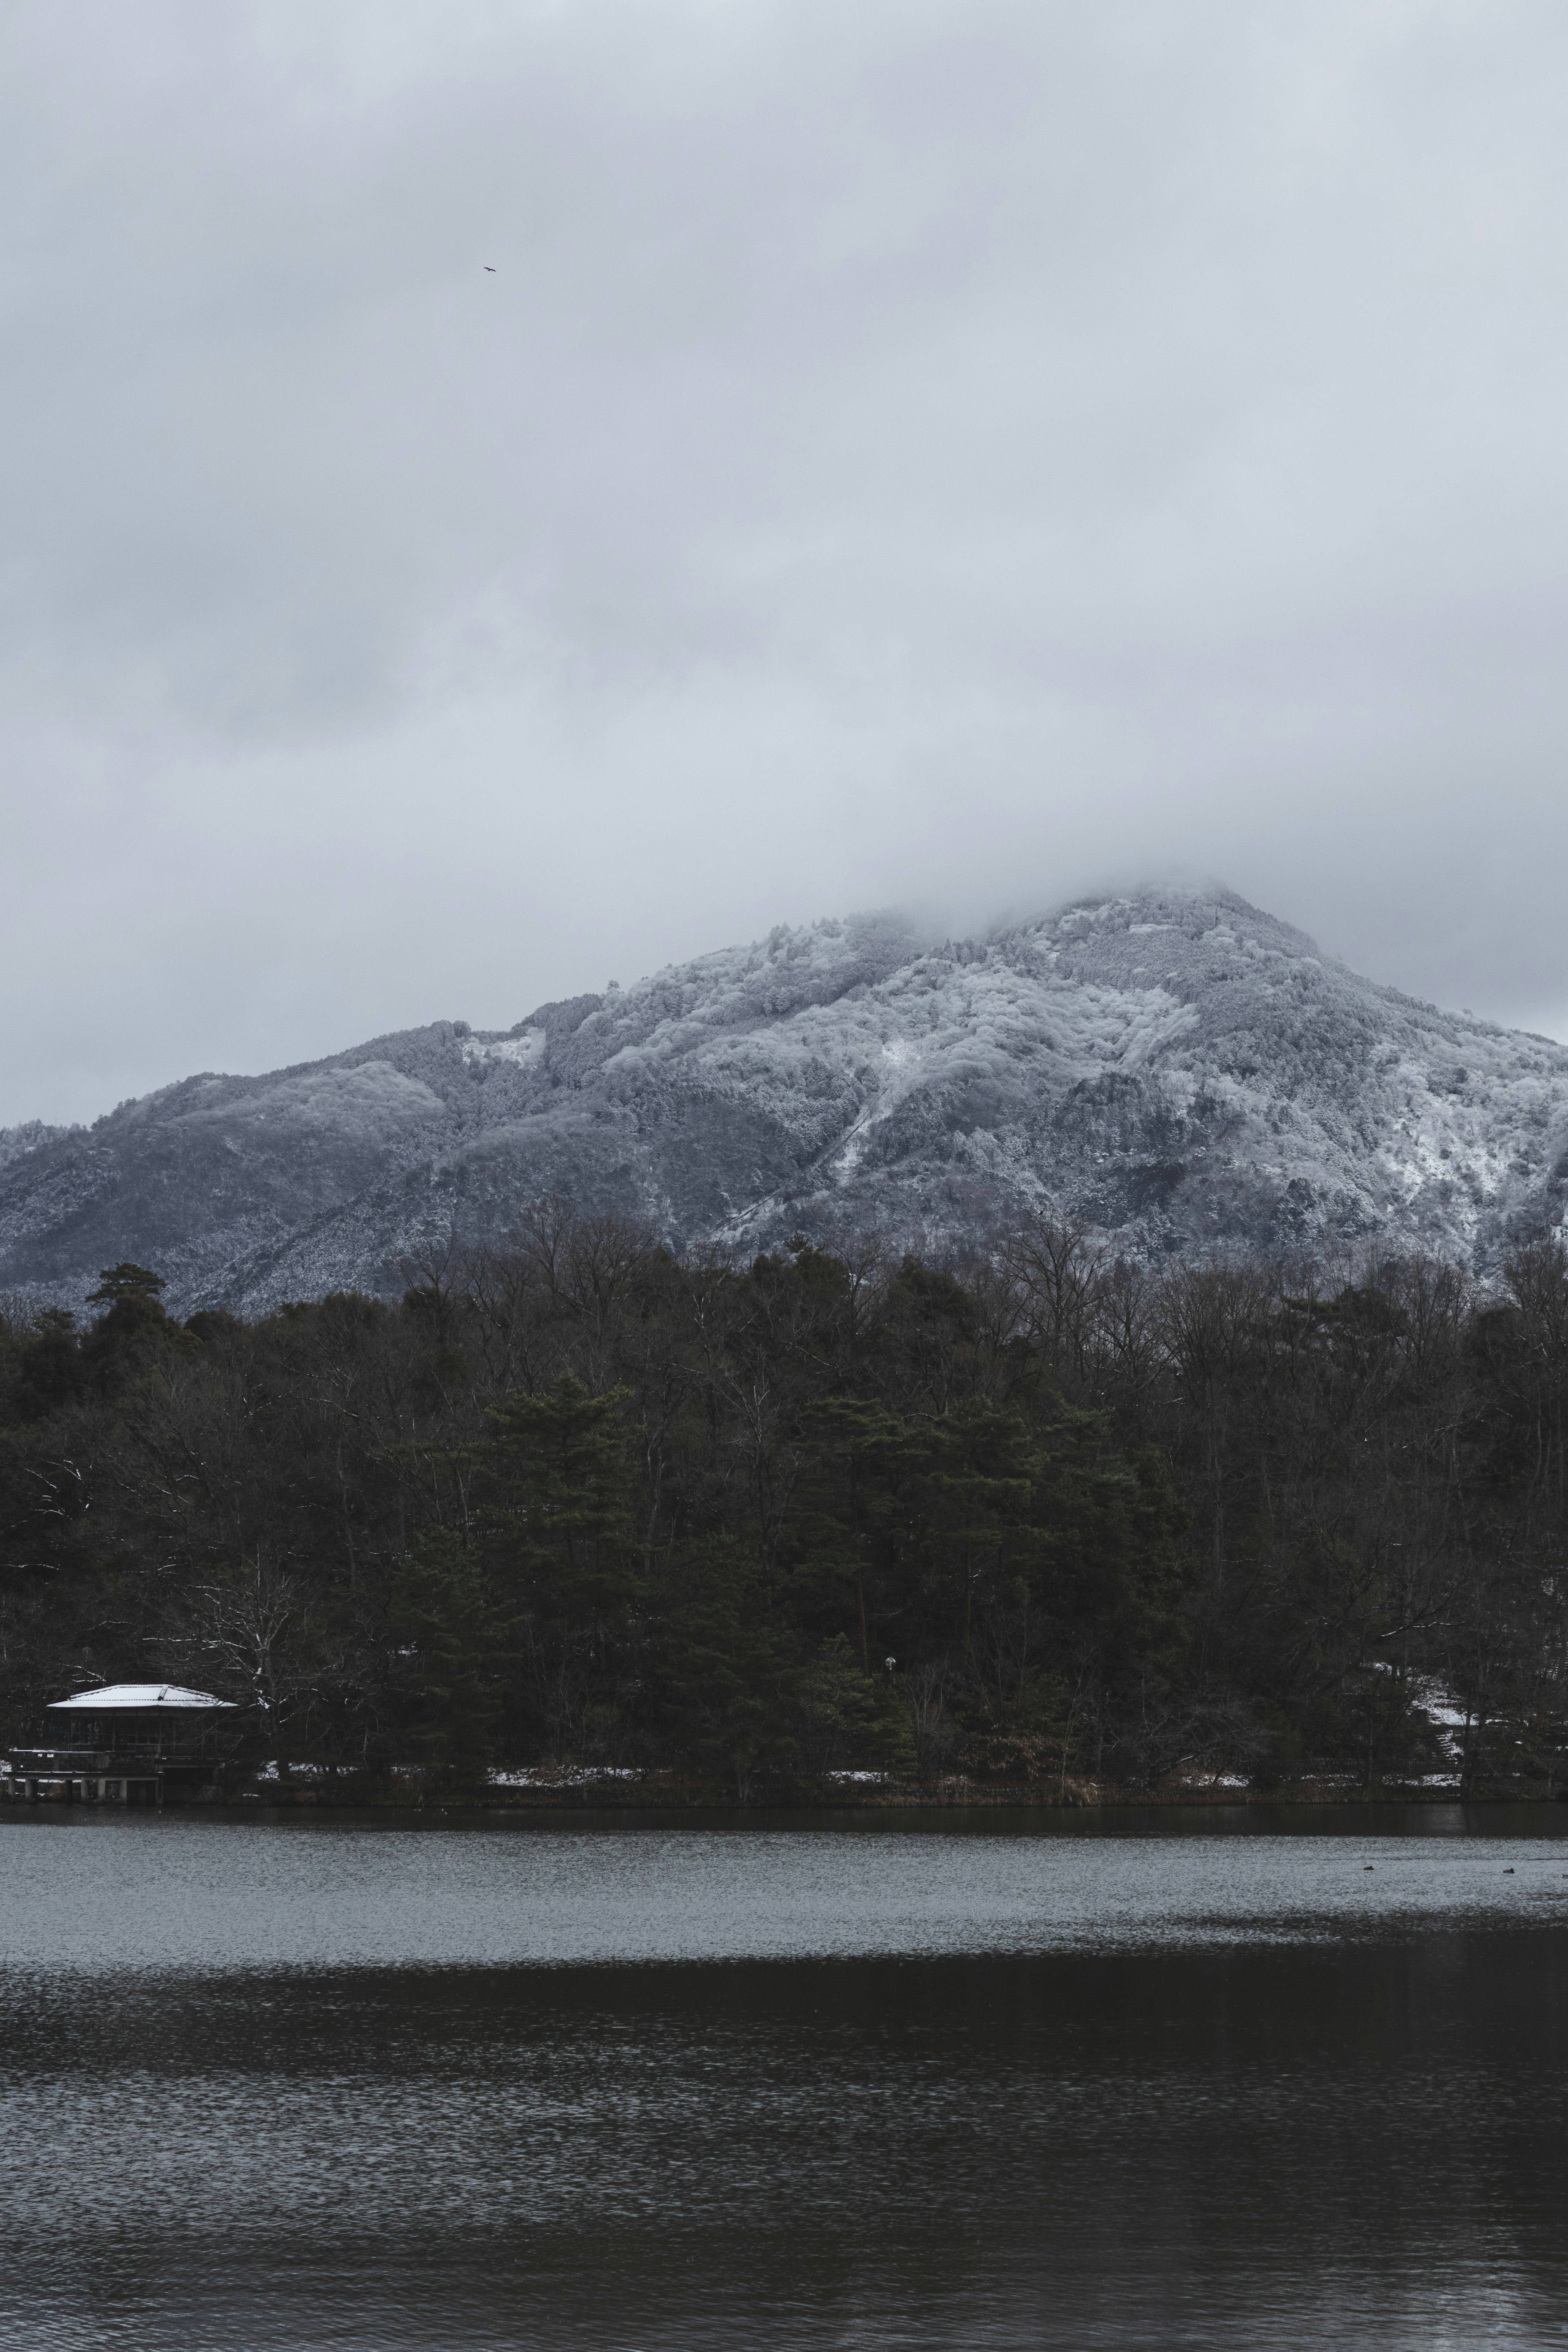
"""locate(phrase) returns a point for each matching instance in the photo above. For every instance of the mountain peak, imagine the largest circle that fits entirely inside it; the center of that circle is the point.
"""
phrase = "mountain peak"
(1181, 1071)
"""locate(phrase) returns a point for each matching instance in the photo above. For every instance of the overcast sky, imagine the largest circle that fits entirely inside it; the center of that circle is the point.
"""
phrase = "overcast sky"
(898, 452)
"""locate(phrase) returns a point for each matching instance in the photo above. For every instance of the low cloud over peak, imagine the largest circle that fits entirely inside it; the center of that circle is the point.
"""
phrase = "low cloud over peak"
(498, 500)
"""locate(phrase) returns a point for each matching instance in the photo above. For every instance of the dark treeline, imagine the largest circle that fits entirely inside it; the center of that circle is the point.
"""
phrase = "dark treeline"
(1045, 1518)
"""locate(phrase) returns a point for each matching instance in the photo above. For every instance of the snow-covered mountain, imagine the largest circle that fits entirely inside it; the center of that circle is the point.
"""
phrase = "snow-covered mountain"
(1179, 1070)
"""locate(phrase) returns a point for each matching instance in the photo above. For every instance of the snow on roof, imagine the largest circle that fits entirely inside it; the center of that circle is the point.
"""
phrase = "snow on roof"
(134, 1695)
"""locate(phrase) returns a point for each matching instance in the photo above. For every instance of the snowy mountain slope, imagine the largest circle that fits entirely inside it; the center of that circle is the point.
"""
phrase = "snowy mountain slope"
(1181, 1070)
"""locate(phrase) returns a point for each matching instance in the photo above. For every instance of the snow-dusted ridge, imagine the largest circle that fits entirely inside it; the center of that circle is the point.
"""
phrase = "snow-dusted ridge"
(1181, 1070)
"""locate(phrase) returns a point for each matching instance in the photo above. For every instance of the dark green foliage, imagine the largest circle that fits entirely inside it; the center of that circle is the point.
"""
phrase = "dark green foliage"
(48, 1371)
(1042, 1517)
(556, 1531)
(455, 1647)
(722, 1671)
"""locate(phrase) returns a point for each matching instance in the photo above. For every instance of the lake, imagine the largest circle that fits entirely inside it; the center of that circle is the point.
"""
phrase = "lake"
(1232, 2077)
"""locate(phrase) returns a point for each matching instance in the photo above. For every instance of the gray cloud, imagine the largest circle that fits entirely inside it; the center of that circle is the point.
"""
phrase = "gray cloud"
(954, 454)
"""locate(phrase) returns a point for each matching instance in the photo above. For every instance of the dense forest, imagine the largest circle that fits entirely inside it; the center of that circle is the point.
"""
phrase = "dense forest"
(1045, 1519)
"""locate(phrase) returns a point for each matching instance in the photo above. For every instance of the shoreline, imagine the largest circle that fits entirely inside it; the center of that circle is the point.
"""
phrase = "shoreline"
(324, 1789)
(797, 1797)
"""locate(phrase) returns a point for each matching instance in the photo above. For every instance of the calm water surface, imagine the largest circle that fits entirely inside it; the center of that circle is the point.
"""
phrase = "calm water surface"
(927, 2080)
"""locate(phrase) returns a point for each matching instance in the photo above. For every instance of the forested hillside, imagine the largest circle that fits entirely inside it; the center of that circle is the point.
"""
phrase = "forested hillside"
(1046, 1517)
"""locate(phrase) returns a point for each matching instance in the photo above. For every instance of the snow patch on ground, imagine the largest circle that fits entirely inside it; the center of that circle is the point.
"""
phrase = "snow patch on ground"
(522, 1052)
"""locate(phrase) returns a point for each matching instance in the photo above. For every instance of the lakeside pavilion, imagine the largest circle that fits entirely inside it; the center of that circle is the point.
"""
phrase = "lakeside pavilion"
(127, 1743)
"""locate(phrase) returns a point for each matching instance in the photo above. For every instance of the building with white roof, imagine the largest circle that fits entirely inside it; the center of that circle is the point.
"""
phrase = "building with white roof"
(126, 1743)
(123, 1698)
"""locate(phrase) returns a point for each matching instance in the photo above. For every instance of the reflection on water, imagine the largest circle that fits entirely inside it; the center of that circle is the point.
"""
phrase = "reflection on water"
(121, 1892)
(1344, 2126)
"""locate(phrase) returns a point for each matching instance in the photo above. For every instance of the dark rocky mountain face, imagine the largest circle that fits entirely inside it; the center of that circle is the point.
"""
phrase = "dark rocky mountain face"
(1179, 1071)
